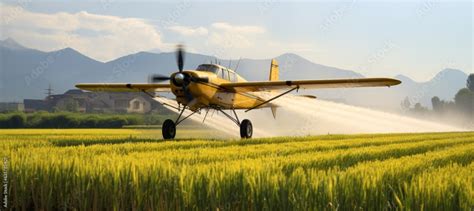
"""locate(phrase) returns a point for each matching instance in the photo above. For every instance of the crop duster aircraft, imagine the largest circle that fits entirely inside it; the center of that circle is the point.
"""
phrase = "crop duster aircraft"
(212, 86)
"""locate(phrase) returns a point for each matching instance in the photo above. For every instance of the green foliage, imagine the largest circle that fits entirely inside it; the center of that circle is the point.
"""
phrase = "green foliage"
(420, 109)
(460, 111)
(13, 120)
(470, 82)
(405, 104)
(436, 103)
(108, 169)
(76, 120)
(465, 100)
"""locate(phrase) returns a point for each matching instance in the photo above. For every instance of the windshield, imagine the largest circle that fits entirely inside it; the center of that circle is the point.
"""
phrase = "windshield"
(207, 68)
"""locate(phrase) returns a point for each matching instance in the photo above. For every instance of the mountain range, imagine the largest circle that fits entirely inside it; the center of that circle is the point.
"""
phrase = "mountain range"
(26, 73)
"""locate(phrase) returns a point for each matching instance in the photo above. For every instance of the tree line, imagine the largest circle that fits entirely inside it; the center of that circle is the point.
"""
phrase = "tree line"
(76, 120)
(460, 109)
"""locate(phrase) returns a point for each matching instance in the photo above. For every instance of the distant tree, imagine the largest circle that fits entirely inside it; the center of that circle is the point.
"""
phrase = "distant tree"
(17, 121)
(450, 106)
(419, 109)
(406, 104)
(470, 82)
(437, 104)
(464, 100)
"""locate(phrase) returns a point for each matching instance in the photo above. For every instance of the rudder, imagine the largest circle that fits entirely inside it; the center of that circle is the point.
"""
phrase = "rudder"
(273, 71)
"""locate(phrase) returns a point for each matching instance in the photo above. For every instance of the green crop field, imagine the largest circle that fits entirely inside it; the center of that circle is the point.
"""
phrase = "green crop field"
(132, 169)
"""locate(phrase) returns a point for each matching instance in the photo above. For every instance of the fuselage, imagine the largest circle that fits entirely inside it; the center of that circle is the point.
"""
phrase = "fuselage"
(201, 89)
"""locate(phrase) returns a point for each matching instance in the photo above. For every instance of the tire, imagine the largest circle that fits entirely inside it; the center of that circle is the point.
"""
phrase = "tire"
(169, 129)
(246, 129)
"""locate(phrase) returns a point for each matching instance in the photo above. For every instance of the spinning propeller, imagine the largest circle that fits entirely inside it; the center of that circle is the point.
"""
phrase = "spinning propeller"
(180, 57)
(179, 79)
(155, 78)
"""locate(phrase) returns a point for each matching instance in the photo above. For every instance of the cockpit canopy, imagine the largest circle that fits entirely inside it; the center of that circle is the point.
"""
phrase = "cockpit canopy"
(220, 72)
(208, 68)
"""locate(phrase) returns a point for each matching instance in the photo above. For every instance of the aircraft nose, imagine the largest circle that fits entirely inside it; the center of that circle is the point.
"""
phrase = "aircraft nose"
(178, 79)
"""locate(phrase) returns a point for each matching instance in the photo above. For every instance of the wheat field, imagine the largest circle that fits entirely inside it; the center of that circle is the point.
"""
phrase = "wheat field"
(129, 169)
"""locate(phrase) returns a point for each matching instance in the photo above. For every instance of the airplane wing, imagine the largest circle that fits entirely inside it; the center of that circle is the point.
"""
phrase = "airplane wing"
(253, 86)
(121, 87)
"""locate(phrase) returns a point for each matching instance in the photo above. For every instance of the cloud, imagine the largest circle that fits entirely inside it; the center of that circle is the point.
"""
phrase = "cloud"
(105, 37)
(188, 31)
(102, 37)
(227, 37)
(243, 29)
(220, 39)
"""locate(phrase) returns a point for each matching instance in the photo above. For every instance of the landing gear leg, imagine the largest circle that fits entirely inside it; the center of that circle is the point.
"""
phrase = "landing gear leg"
(246, 129)
(169, 127)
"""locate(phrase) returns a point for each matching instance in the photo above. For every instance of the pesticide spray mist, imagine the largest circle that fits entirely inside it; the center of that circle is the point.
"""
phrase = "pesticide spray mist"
(301, 116)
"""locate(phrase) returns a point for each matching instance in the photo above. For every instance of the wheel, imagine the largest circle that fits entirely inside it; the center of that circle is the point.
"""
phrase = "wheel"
(169, 129)
(246, 129)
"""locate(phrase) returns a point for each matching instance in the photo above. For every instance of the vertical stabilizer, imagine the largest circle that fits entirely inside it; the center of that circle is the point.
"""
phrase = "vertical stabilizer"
(273, 71)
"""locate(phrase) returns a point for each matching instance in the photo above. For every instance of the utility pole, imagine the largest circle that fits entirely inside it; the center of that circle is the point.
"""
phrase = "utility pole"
(49, 91)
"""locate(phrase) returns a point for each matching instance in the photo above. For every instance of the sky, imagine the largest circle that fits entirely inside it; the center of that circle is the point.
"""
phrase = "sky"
(375, 38)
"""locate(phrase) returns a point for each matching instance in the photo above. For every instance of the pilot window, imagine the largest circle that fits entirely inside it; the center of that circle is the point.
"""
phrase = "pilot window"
(225, 74)
(232, 77)
(208, 68)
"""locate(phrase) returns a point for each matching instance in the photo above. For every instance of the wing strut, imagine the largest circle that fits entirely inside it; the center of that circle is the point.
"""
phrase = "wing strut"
(273, 98)
(147, 93)
(153, 97)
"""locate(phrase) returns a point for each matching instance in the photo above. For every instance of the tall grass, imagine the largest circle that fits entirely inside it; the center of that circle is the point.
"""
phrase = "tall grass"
(370, 172)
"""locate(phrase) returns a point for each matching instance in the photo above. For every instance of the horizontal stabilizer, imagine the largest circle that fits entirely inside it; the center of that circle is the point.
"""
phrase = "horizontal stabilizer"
(274, 111)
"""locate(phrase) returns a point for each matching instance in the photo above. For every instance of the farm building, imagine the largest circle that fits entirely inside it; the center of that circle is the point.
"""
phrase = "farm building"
(11, 106)
(80, 101)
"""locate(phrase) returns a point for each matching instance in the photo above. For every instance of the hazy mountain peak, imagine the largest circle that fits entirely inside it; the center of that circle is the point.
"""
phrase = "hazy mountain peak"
(291, 56)
(145, 53)
(68, 51)
(11, 44)
(70, 67)
(155, 50)
(451, 71)
(72, 53)
(450, 74)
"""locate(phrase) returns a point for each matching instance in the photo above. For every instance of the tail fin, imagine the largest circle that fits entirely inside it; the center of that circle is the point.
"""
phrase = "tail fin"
(274, 77)
(273, 71)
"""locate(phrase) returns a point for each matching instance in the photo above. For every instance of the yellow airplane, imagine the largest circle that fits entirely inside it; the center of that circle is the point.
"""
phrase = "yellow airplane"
(211, 86)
